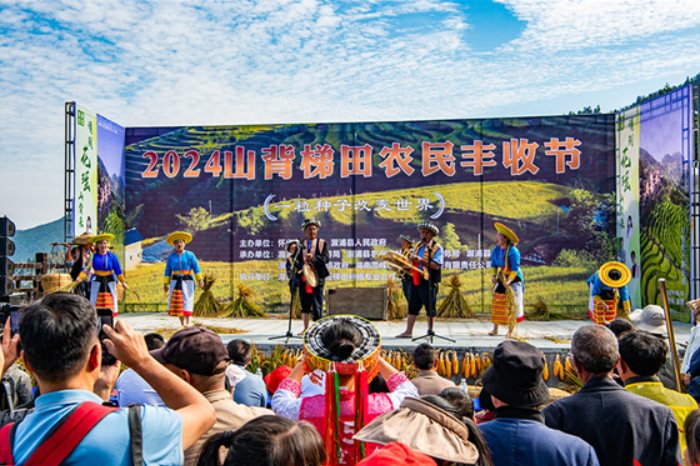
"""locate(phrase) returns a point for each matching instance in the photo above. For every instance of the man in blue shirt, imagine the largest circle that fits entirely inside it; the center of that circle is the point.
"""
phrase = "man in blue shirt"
(61, 348)
(427, 257)
(251, 391)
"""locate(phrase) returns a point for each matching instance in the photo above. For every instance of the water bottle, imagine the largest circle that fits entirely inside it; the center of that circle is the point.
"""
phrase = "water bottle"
(463, 386)
(259, 373)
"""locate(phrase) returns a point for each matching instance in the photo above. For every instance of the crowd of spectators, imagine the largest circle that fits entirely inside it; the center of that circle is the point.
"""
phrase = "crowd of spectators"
(192, 401)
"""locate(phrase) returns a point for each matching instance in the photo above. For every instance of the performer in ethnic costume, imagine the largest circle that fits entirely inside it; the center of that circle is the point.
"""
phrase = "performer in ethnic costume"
(405, 275)
(314, 255)
(427, 255)
(292, 248)
(79, 255)
(608, 287)
(348, 349)
(507, 277)
(105, 273)
(179, 269)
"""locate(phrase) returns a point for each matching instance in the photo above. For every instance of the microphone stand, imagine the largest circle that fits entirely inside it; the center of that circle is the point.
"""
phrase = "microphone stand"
(293, 288)
(430, 305)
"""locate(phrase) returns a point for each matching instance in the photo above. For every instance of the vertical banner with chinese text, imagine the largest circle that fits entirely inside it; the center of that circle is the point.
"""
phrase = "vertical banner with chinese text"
(85, 201)
(627, 164)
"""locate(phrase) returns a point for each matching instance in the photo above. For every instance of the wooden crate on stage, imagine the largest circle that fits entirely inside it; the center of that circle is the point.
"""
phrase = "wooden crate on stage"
(369, 303)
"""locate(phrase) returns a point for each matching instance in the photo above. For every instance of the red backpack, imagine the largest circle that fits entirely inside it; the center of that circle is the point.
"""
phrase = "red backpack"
(67, 434)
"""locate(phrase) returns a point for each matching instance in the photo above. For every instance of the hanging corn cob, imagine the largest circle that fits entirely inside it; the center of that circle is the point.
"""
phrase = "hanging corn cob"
(466, 365)
(472, 364)
(455, 363)
(545, 374)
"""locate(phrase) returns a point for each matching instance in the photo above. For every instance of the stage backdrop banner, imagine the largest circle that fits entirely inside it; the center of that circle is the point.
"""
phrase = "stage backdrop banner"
(243, 192)
(666, 149)
(111, 188)
(85, 201)
(627, 161)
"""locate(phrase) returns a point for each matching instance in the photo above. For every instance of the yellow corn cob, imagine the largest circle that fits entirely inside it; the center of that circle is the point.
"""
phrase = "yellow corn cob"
(478, 363)
(558, 368)
(567, 364)
(545, 374)
(398, 361)
(472, 363)
(455, 363)
(448, 365)
(442, 370)
(465, 365)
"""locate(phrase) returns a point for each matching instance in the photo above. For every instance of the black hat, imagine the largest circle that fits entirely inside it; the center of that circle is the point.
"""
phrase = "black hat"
(198, 350)
(516, 375)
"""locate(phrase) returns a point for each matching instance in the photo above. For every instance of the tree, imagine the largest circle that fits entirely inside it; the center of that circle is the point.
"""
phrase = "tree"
(449, 238)
(197, 219)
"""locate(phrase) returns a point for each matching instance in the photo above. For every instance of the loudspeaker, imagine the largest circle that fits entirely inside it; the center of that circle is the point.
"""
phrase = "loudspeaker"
(7, 286)
(7, 227)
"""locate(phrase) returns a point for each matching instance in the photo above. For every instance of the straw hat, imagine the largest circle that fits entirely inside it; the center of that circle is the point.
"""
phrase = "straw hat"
(317, 356)
(103, 237)
(424, 428)
(614, 274)
(176, 235)
(507, 232)
(84, 239)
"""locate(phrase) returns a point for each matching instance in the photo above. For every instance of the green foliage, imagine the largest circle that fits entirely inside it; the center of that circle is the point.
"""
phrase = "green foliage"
(197, 219)
(572, 258)
(450, 239)
(581, 226)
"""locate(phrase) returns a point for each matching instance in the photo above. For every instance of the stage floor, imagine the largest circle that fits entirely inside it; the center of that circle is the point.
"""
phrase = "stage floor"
(470, 335)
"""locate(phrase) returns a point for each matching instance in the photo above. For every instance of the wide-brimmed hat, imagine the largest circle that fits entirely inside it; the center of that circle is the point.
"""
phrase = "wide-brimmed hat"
(275, 378)
(317, 356)
(516, 375)
(507, 232)
(651, 319)
(83, 239)
(430, 226)
(407, 238)
(289, 244)
(310, 221)
(176, 235)
(103, 237)
(614, 274)
(424, 428)
(198, 350)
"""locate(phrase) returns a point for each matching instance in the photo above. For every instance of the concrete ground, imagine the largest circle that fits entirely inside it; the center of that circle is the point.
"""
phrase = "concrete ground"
(469, 335)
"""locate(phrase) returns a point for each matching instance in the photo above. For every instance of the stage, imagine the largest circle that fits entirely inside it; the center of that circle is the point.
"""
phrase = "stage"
(469, 335)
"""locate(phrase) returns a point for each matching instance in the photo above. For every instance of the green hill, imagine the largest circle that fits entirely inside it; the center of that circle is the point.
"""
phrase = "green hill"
(38, 239)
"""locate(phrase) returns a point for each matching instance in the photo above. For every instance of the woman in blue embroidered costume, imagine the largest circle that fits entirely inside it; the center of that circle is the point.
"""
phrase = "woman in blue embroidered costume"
(105, 273)
(608, 287)
(507, 277)
(179, 270)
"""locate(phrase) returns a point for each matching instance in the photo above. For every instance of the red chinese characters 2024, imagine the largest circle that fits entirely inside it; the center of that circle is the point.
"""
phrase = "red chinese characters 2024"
(323, 161)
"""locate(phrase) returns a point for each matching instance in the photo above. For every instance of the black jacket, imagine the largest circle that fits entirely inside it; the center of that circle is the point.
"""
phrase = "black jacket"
(319, 261)
(619, 425)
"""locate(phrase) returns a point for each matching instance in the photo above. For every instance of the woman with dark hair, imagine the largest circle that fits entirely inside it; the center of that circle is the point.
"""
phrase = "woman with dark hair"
(266, 441)
(347, 349)
(463, 405)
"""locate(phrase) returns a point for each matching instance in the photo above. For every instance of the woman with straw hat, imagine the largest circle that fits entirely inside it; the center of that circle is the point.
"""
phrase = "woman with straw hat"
(105, 273)
(347, 349)
(507, 277)
(608, 287)
(179, 269)
(78, 254)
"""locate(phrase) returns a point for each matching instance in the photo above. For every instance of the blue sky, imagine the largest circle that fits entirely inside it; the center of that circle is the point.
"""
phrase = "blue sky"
(163, 63)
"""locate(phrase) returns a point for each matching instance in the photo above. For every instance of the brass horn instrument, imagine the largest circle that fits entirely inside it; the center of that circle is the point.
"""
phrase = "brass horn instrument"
(401, 263)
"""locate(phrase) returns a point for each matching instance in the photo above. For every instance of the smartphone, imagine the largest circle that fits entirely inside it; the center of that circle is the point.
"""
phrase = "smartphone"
(106, 320)
(14, 318)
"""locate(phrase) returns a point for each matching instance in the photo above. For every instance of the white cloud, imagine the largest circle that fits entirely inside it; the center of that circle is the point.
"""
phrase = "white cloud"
(163, 63)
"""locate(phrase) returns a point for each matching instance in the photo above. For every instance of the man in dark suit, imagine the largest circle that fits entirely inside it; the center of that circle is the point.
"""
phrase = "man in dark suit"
(314, 254)
(622, 427)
